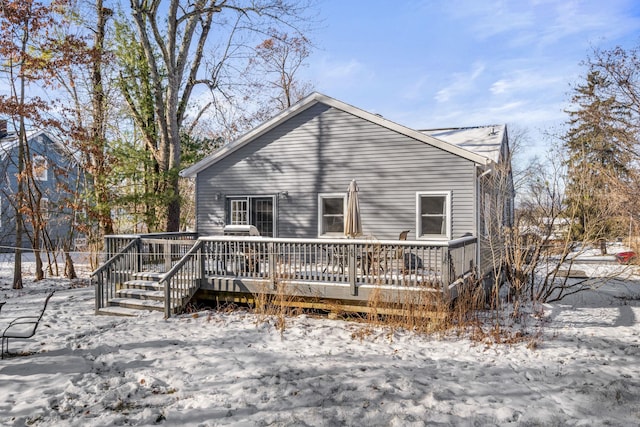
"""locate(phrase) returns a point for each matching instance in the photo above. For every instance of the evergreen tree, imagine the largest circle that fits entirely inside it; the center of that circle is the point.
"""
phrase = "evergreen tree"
(600, 147)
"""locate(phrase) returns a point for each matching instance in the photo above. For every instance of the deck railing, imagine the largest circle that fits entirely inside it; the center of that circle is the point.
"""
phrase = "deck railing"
(134, 253)
(184, 263)
(353, 262)
(115, 242)
(117, 269)
(183, 280)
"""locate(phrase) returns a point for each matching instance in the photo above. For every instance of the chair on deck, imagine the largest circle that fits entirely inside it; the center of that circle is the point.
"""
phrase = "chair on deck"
(381, 259)
(22, 327)
(400, 250)
(336, 257)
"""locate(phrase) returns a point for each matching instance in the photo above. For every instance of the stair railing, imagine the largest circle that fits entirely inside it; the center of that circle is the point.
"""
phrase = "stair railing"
(183, 280)
(117, 270)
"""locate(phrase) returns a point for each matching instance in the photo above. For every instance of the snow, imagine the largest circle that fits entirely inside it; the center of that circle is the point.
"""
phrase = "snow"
(578, 365)
(483, 140)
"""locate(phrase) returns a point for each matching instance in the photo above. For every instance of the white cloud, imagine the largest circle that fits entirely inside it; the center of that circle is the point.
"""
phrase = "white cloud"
(519, 81)
(539, 24)
(343, 69)
(462, 82)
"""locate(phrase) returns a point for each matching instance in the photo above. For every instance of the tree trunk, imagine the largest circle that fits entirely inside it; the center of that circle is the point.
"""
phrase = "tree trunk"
(97, 131)
(17, 265)
(69, 268)
(173, 208)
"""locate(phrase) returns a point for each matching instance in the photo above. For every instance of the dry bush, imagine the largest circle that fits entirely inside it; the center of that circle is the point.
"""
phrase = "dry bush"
(430, 312)
(275, 305)
(426, 311)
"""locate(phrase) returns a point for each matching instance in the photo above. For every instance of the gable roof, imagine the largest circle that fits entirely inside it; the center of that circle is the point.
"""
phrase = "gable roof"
(10, 141)
(316, 98)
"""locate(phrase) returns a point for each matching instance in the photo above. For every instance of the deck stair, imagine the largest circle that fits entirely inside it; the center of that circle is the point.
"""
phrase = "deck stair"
(142, 293)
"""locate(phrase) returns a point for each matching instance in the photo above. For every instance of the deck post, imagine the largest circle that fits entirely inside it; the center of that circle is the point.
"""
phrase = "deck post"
(167, 255)
(200, 266)
(446, 280)
(167, 298)
(97, 283)
(271, 257)
(138, 254)
(351, 265)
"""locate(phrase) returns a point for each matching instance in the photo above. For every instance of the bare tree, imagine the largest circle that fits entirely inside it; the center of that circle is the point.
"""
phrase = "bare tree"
(174, 37)
(279, 60)
(23, 26)
(541, 252)
(86, 84)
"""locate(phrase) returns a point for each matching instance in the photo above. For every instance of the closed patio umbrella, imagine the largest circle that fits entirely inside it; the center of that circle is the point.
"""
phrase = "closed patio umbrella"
(352, 222)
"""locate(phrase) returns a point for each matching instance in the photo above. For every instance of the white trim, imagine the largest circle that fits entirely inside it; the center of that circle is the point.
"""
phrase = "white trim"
(40, 174)
(447, 207)
(247, 197)
(234, 210)
(45, 208)
(322, 196)
(486, 213)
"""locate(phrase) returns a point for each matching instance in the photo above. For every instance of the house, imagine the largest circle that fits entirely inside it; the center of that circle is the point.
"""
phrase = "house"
(451, 188)
(54, 175)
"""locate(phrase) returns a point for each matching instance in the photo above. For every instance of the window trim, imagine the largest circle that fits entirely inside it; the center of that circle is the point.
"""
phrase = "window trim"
(322, 196)
(447, 216)
(233, 201)
(44, 174)
(82, 214)
(228, 199)
(45, 209)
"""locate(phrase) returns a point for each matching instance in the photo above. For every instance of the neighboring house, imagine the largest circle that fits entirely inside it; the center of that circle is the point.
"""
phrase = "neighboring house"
(54, 173)
(550, 230)
(289, 176)
(451, 188)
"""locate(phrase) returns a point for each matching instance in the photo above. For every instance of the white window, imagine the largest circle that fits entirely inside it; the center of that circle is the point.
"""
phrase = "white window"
(433, 215)
(239, 212)
(331, 209)
(44, 208)
(80, 217)
(40, 168)
(80, 243)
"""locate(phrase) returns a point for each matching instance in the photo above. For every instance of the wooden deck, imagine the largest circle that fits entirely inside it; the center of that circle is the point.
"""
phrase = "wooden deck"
(176, 266)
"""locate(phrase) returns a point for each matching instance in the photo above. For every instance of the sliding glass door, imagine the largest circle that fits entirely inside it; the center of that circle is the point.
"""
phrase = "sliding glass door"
(258, 211)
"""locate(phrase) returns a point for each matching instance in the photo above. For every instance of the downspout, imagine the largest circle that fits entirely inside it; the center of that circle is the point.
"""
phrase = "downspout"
(480, 208)
(487, 172)
(195, 206)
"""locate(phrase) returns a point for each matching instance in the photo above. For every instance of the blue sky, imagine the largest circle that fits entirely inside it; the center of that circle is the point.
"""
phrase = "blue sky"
(430, 64)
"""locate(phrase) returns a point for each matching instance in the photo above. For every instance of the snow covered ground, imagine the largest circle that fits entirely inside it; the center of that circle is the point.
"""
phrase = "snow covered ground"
(229, 368)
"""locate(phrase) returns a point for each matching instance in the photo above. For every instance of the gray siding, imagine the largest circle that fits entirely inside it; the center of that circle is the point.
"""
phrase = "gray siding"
(498, 187)
(320, 151)
(61, 173)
